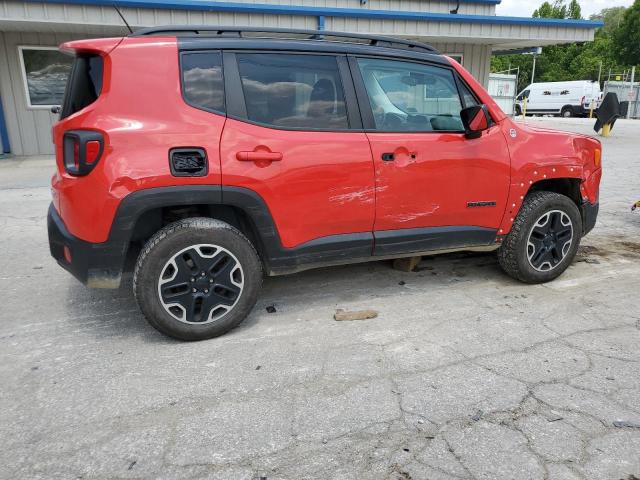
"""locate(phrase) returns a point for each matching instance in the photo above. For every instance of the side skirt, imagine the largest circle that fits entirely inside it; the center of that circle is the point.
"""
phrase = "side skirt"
(366, 247)
(390, 242)
(320, 264)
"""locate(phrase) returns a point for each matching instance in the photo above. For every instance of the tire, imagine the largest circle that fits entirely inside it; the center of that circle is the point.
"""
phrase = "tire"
(518, 111)
(533, 256)
(203, 255)
(566, 112)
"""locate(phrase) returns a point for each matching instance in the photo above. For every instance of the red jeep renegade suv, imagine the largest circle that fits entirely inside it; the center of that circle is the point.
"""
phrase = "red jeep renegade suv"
(217, 155)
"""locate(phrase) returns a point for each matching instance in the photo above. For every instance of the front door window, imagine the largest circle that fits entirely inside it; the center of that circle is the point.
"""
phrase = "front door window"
(411, 97)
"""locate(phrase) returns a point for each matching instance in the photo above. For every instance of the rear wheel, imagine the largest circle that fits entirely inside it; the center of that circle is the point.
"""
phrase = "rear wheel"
(543, 240)
(197, 278)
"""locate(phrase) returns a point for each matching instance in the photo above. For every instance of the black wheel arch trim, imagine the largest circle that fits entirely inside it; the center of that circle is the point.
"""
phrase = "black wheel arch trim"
(589, 213)
(102, 264)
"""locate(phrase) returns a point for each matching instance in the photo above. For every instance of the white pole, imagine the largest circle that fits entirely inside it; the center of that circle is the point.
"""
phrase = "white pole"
(599, 74)
(533, 72)
(633, 77)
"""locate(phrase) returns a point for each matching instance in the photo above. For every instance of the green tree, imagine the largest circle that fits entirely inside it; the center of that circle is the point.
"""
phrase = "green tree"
(612, 18)
(574, 10)
(557, 9)
(627, 36)
(573, 61)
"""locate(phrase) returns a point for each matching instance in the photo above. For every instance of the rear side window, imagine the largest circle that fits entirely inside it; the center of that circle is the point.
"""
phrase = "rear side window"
(293, 91)
(202, 81)
(84, 85)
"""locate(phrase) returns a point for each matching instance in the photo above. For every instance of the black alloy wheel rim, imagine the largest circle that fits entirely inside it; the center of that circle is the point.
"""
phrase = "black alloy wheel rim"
(549, 240)
(200, 284)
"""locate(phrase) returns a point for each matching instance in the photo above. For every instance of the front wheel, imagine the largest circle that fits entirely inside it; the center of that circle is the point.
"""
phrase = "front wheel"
(543, 240)
(566, 112)
(197, 278)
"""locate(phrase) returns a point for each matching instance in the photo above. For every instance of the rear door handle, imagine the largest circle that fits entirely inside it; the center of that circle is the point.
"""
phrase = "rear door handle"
(259, 156)
(388, 157)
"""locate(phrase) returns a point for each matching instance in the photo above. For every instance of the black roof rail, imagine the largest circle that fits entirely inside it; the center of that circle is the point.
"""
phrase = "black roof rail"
(207, 30)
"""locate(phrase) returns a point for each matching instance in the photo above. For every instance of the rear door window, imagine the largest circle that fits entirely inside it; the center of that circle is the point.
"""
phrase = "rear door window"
(293, 91)
(202, 80)
(84, 85)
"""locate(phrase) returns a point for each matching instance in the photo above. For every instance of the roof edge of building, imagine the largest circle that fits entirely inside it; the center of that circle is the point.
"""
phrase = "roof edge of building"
(262, 8)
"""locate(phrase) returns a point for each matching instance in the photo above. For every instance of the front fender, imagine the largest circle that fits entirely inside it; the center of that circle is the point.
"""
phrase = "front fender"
(540, 154)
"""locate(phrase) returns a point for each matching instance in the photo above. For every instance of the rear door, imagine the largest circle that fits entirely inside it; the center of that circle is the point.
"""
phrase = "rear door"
(294, 136)
(435, 188)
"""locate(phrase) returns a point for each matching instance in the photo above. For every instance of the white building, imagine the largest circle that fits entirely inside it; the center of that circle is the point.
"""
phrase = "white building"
(32, 72)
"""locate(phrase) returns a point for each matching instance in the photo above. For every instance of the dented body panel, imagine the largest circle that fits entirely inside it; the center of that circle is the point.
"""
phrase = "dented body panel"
(540, 155)
(435, 176)
(323, 186)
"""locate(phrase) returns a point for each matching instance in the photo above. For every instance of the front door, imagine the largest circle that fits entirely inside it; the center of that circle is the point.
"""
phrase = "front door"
(435, 188)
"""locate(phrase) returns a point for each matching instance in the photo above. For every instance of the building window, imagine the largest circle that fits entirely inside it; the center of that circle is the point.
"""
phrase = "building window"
(44, 73)
(458, 57)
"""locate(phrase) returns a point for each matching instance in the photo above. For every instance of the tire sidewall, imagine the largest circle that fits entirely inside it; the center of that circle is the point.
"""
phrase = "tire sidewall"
(198, 231)
(558, 202)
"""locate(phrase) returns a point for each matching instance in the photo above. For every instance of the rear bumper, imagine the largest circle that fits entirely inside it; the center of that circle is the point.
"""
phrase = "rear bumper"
(97, 265)
(589, 216)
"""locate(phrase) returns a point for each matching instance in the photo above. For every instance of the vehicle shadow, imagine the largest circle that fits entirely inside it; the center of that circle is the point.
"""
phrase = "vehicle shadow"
(356, 283)
(114, 313)
(110, 313)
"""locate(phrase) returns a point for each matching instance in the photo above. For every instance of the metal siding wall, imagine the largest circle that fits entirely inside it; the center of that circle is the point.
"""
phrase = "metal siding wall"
(29, 129)
(8, 98)
(5, 103)
(476, 58)
(99, 20)
(107, 14)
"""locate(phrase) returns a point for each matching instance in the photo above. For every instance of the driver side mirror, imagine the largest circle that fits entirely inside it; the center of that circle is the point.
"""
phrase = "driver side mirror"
(476, 120)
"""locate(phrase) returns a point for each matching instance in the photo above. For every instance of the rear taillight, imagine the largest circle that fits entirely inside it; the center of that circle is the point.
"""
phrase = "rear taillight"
(81, 150)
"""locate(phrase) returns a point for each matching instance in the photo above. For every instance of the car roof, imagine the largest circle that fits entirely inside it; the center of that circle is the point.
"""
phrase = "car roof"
(257, 38)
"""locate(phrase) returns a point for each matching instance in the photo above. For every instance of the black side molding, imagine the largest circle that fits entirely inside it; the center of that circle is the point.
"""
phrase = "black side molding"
(390, 242)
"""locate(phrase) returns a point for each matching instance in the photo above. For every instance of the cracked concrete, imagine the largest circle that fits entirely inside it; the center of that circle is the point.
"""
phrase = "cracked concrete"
(465, 374)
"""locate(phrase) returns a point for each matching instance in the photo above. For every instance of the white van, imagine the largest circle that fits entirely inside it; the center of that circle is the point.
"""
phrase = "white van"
(567, 99)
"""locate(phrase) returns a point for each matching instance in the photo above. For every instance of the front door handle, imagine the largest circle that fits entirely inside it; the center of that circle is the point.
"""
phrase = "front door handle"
(259, 156)
(399, 152)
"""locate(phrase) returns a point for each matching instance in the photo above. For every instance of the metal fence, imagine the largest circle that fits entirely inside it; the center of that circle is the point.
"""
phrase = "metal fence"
(626, 93)
(503, 88)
